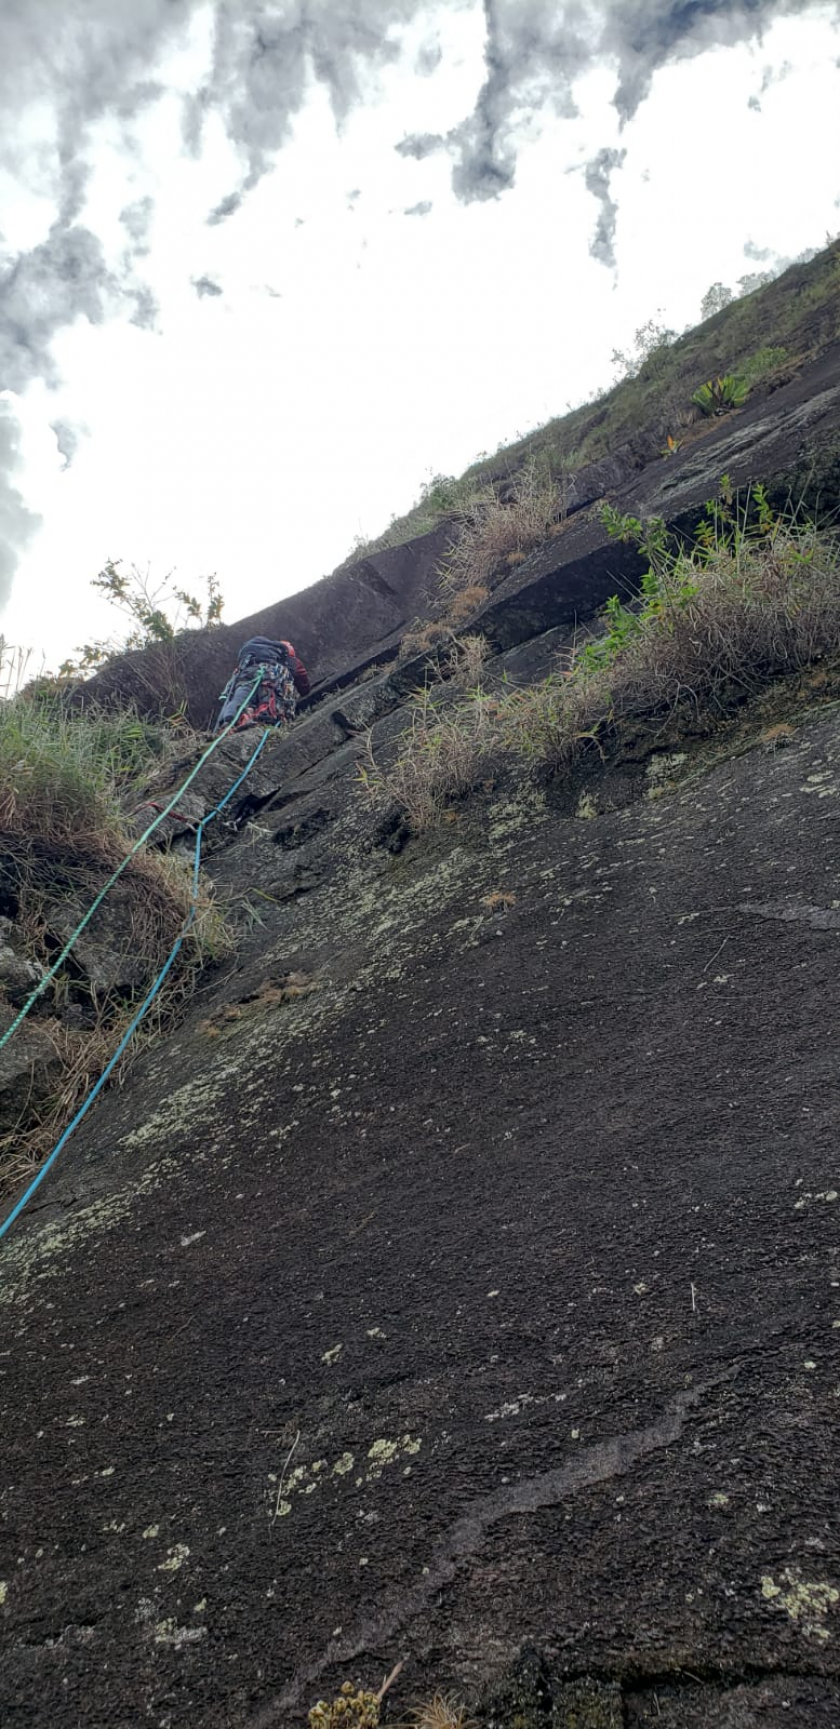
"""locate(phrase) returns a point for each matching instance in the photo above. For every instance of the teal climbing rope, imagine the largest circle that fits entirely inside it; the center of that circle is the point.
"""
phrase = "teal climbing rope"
(146, 1004)
(74, 936)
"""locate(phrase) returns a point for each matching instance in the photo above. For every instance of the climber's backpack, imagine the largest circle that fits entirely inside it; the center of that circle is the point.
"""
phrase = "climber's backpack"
(273, 699)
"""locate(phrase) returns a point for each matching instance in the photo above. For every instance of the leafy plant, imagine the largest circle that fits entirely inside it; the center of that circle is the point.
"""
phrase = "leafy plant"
(718, 395)
(355, 1708)
(157, 615)
(667, 583)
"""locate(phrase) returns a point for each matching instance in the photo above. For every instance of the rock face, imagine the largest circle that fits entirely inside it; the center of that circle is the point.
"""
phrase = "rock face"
(477, 1288)
(461, 1281)
(349, 620)
(354, 619)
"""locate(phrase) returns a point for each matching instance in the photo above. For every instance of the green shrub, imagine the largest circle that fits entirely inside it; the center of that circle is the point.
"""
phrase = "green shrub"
(764, 361)
(157, 615)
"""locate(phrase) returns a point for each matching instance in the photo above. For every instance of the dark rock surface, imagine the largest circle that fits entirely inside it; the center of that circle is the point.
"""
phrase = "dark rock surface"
(480, 1290)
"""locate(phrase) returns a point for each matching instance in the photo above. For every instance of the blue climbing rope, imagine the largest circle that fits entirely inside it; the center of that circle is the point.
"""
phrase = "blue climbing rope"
(147, 1001)
(60, 959)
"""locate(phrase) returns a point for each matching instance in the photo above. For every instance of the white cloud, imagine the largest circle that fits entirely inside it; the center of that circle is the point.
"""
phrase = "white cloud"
(258, 431)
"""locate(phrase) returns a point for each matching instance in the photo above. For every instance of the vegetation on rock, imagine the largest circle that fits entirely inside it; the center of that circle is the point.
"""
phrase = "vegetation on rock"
(655, 384)
(70, 780)
(753, 596)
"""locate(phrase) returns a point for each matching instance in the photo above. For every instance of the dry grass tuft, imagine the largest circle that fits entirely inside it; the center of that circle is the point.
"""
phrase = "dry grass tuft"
(443, 1711)
(501, 900)
(497, 532)
(270, 995)
(465, 663)
(442, 755)
(424, 638)
(779, 736)
(466, 602)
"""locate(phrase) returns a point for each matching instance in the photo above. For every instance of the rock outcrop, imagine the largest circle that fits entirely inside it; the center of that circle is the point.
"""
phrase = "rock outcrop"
(460, 1282)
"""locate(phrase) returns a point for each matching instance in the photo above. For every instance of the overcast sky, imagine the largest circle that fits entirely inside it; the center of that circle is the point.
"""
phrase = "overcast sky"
(266, 265)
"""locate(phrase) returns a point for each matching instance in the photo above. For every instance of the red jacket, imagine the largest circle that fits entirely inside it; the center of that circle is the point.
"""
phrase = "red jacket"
(299, 672)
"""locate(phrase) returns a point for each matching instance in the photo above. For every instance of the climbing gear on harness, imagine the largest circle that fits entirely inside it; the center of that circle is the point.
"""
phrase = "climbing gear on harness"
(275, 699)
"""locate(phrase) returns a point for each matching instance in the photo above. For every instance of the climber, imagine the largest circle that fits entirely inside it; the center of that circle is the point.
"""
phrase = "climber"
(282, 678)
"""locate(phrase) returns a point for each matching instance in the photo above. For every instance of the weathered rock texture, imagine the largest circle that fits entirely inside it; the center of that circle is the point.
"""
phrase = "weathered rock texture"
(463, 1276)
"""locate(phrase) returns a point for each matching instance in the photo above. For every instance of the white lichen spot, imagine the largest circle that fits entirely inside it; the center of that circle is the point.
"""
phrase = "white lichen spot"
(199, 1608)
(115, 1526)
(809, 1363)
(151, 1531)
(4, 1591)
(511, 1409)
(718, 1499)
(75, 1422)
(384, 1452)
(381, 1454)
(107, 1471)
(186, 1242)
(640, 1288)
(175, 1559)
(826, 1195)
(805, 1601)
(343, 1465)
(169, 1633)
(376, 1333)
(332, 1355)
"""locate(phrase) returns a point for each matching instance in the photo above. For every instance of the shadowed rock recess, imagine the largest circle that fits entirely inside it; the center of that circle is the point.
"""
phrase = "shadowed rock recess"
(459, 1282)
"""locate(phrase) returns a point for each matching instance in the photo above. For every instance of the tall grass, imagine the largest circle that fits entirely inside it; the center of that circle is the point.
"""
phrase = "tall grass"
(70, 780)
(64, 771)
(756, 596)
(439, 759)
(753, 597)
